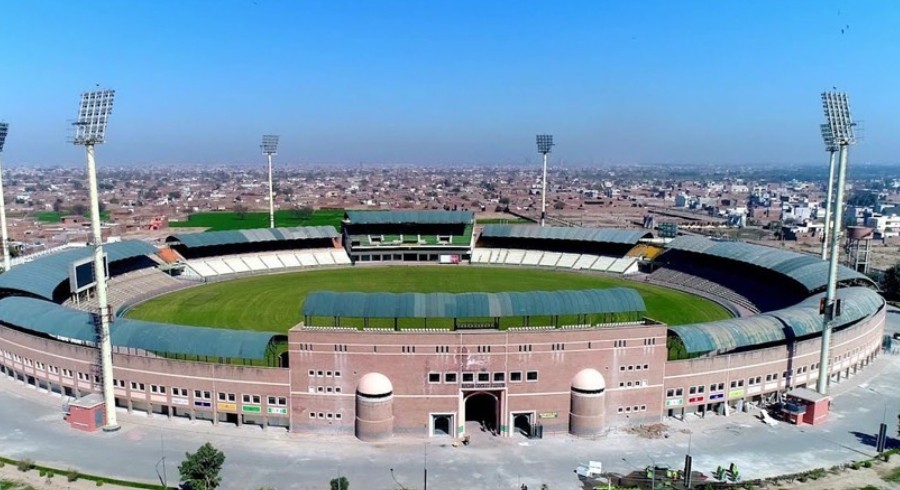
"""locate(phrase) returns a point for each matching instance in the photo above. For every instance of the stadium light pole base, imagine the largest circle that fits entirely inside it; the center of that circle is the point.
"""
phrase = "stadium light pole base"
(111, 428)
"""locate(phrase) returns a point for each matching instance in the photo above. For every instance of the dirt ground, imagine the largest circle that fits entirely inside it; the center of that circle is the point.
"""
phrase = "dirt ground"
(11, 473)
(850, 479)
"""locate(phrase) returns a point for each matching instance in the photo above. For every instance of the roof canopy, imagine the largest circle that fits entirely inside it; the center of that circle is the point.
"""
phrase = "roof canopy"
(232, 237)
(58, 321)
(796, 321)
(409, 217)
(44, 274)
(472, 305)
(598, 235)
(810, 271)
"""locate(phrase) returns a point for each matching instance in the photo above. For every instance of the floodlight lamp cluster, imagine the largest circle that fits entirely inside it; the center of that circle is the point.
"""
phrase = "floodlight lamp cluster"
(828, 138)
(269, 144)
(837, 117)
(4, 130)
(93, 115)
(544, 143)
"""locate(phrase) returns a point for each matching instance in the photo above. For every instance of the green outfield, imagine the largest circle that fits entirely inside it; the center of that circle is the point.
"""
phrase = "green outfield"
(272, 303)
(225, 220)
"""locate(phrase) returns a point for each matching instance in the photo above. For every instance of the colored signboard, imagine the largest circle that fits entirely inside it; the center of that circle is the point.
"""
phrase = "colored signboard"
(735, 393)
(674, 402)
(277, 410)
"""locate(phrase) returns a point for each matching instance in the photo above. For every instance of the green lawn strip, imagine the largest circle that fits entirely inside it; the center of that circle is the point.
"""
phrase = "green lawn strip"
(272, 303)
(55, 217)
(85, 476)
(224, 220)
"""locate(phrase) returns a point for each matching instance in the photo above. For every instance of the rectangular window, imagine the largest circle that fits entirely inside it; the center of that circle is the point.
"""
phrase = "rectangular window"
(679, 392)
(337, 374)
(531, 376)
(338, 416)
(515, 376)
(670, 393)
(312, 372)
(434, 377)
(499, 377)
(449, 377)
(468, 377)
(692, 390)
(484, 377)
(137, 386)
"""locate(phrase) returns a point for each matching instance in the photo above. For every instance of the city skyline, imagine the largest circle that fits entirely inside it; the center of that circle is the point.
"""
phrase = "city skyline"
(439, 84)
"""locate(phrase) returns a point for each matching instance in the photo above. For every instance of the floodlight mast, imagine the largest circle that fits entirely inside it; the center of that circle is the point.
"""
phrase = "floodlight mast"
(270, 147)
(832, 150)
(90, 130)
(4, 130)
(544, 143)
(837, 117)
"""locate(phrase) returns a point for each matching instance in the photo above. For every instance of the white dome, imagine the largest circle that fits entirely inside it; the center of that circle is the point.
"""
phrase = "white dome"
(374, 384)
(588, 380)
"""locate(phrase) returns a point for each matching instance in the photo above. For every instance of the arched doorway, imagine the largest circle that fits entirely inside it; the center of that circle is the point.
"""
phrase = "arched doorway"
(442, 425)
(522, 423)
(483, 408)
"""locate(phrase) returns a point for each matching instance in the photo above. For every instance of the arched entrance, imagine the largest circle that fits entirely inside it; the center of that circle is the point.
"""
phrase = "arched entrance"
(522, 423)
(442, 425)
(484, 408)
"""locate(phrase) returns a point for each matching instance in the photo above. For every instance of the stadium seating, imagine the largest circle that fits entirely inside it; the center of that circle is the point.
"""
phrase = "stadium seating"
(602, 264)
(621, 265)
(211, 268)
(307, 259)
(567, 261)
(132, 287)
(532, 257)
(324, 258)
(255, 263)
(288, 259)
(558, 260)
(549, 259)
(236, 264)
(684, 280)
(585, 261)
(514, 257)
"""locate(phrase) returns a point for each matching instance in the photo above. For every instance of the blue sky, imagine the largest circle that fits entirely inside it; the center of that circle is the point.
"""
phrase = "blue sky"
(440, 82)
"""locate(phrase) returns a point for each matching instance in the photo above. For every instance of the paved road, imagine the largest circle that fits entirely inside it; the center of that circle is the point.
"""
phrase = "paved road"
(31, 426)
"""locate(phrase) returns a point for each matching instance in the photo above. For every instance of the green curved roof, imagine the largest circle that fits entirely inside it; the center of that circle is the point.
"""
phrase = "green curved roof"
(232, 237)
(810, 271)
(409, 217)
(472, 305)
(44, 274)
(598, 235)
(52, 319)
(800, 320)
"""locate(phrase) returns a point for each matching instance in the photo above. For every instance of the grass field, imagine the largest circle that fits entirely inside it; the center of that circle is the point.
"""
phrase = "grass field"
(224, 220)
(272, 303)
(56, 217)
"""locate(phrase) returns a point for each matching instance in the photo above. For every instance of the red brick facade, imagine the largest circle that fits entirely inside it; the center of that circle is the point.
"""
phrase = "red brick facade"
(528, 372)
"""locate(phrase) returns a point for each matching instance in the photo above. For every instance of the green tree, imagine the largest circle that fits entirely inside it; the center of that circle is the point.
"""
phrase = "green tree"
(200, 470)
(890, 282)
(340, 483)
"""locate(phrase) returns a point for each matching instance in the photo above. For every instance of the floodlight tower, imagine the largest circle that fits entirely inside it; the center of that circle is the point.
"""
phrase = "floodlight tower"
(90, 130)
(4, 129)
(838, 120)
(544, 143)
(832, 150)
(270, 147)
